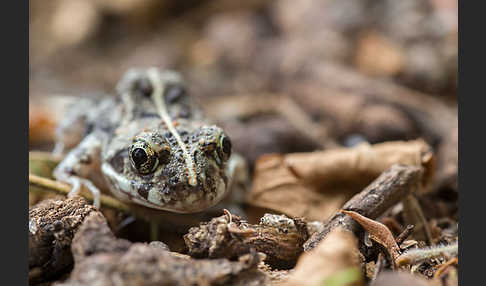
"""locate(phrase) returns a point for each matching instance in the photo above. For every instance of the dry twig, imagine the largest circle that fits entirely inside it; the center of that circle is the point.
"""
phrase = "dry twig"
(387, 190)
(62, 188)
(421, 254)
(444, 266)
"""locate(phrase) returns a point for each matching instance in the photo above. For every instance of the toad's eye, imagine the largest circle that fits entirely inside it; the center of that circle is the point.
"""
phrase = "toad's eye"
(139, 157)
(143, 158)
(224, 147)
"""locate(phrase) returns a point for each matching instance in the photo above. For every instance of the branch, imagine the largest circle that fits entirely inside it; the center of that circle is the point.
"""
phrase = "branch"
(385, 191)
(64, 189)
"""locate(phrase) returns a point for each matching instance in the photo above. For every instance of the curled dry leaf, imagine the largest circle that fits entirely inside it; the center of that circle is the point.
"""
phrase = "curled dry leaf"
(315, 185)
(335, 258)
(378, 232)
(280, 238)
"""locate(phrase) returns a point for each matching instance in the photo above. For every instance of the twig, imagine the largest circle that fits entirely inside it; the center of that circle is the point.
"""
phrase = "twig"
(405, 234)
(413, 214)
(43, 156)
(444, 266)
(380, 263)
(421, 254)
(62, 188)
(387, 190)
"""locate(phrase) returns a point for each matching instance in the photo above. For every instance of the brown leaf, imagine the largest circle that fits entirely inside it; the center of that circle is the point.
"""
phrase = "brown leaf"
(336, 255)
(316, 184)
(378, 232)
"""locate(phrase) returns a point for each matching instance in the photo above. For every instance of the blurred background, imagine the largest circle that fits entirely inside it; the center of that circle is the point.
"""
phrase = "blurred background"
(281, 76)
(79, 45)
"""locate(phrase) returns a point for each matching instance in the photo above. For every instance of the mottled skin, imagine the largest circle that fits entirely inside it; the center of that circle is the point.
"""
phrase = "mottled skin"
(129, 149)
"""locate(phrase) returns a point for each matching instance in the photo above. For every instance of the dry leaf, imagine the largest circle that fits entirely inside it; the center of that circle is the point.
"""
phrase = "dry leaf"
(378, 232)
(316, 184)
(336, 257)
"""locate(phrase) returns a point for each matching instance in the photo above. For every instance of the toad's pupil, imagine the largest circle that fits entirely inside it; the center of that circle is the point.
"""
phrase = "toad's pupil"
(226, 146)
(139, 157)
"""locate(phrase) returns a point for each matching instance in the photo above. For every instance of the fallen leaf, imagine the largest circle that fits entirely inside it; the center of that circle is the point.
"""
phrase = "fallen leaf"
(335, 259)
(316, 184)
(378, 232)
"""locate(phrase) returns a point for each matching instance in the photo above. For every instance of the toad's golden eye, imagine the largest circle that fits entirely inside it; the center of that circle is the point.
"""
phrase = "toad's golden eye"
(224, 147)
(143, 158)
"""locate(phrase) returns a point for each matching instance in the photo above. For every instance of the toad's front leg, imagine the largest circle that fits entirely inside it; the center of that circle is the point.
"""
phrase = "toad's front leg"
(81, 167)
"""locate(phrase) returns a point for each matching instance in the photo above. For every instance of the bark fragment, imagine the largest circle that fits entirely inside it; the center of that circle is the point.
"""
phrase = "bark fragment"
(102, 259)
(278, 236)
(52, 226)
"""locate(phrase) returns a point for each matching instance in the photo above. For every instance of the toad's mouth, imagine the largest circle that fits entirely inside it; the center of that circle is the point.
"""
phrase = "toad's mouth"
(191, 200)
